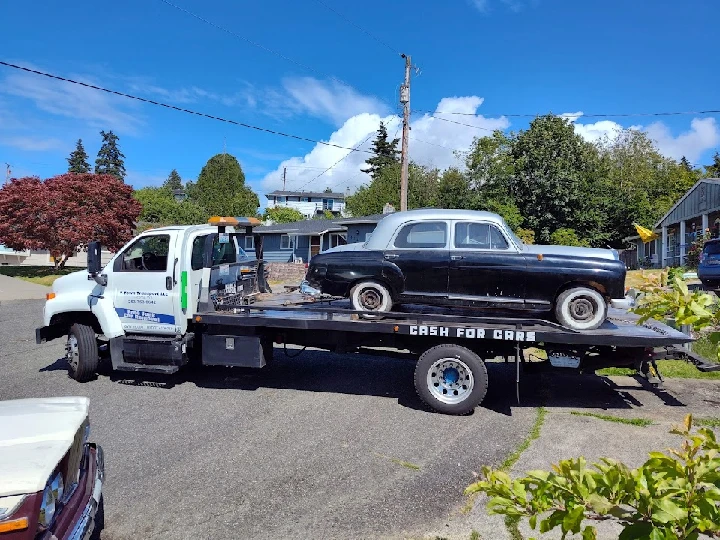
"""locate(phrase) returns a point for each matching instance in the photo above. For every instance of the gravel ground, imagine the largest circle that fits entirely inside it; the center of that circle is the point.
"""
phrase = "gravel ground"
(322, 446)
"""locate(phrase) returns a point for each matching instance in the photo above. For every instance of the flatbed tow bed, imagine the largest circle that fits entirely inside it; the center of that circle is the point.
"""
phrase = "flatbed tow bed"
(452, 345)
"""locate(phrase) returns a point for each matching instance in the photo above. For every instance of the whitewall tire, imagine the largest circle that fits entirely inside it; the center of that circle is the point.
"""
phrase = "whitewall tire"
(581, 308)
(371, 297)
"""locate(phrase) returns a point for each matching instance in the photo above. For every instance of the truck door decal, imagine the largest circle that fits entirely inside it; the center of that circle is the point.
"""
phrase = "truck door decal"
(140, 315)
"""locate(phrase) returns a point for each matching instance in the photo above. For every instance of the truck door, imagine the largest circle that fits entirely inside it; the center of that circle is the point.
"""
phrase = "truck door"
(144, 283)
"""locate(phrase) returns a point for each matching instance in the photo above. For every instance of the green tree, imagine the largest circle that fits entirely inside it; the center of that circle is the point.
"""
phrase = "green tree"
(453, 189)
(221, 189)
(685, 164)
(385, 153)
(160, 208)
(110, 159)
(566, 237)
(385, 188)
(78, 160)
(283, 214)
(713, 170)
(507, 209)
(327, 190)
(173, 181)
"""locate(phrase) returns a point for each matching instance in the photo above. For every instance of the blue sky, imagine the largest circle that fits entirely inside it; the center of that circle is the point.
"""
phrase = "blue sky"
(490, 57)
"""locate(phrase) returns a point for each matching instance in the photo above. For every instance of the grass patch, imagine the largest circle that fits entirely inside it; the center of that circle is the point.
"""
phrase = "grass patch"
(642, 422)
(670, 369)
(400, 462)
(474, 535)
(707, 422)
(534, 434)
(41, 275)
(706, 348)
(511, 524)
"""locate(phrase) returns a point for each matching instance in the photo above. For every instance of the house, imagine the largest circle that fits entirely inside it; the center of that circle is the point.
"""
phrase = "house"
(41, 257)
(301, 240)
(696, 211)
(310, 204)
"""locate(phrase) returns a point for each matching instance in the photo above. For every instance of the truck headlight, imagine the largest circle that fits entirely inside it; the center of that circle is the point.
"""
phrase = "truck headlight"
(52, 494)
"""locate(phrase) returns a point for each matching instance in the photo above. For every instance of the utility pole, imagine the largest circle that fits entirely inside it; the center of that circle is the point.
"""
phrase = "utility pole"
(7, 172)
(284, 173)
(405, 100)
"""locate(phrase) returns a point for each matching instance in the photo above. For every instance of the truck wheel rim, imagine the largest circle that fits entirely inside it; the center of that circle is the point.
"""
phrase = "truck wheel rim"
(450, 380)
(72, 352)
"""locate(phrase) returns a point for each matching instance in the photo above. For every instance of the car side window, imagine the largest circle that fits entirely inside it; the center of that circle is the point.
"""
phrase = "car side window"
(198, 247)
(146, 254)
(424, 235)
(479, 236)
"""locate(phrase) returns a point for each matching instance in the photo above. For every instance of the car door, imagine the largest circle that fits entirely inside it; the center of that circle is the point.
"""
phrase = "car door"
(485, 265)
(420, 250)
(145, 291)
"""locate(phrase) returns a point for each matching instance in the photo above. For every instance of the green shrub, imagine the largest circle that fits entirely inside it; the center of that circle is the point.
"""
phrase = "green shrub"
(674, 496)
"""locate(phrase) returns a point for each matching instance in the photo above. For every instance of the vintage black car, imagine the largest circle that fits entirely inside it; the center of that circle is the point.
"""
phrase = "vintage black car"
(471, 259)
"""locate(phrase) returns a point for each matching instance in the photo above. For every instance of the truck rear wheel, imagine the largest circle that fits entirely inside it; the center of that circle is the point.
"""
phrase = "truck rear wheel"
(451, 379)
(82, 352)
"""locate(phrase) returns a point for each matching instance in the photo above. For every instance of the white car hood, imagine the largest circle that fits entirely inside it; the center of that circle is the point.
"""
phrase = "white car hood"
(77, 282)
(35, 434)
(572, 251)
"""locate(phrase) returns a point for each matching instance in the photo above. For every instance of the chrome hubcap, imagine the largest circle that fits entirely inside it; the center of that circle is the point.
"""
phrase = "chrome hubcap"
(371, 299)
(72, 353)
(450, 380)
(582, 309)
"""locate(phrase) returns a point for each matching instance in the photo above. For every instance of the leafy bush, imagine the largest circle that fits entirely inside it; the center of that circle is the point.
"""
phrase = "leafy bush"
(693, 255)
(566, 237)
(673, 496)
(283, 214)
(697, 309)
(526, 235)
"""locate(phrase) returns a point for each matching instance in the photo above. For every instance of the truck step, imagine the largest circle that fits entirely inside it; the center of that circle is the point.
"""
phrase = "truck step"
(146, 368)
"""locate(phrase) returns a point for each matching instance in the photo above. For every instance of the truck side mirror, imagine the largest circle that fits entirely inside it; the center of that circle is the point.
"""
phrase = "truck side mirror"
(94, 264)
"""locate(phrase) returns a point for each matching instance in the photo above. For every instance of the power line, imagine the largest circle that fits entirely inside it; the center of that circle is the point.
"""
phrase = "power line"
(167, 106)
(461, 123)
(594, 115)
(366, 32)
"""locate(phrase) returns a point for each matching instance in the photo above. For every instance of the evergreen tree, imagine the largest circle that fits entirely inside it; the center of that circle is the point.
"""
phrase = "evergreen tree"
(221, 189)
(110, 159)
(173, 181)
(685, 164)
(385, 153)
(78, 160)
(713, 171)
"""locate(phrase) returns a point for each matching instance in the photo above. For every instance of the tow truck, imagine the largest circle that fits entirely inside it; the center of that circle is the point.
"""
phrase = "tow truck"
(190, 294)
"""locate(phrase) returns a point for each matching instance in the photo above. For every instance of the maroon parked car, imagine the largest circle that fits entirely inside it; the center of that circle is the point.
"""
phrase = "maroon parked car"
(50, 476)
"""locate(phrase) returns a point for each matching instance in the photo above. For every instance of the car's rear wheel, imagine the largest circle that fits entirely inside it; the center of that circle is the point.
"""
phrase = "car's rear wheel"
(581, 308)
(371, 297)
(81, 352)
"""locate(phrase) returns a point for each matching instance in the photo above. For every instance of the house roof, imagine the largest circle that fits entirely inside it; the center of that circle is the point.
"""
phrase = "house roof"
(305, 194)
(687, 193)
(308, 227)
(360, 219)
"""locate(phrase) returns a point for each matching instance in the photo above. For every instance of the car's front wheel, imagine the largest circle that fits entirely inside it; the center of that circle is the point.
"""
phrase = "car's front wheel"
(581, 308)
(371, 297)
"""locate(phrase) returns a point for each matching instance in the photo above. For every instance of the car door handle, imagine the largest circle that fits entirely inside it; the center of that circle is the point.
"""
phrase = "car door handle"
(392, 256)
(457, 257)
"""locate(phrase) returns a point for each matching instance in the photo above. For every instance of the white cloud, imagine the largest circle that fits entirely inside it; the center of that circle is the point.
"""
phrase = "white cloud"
(483, 6)
(144, 179)
(480, 5)
(432, 143)
(32, 144)
(703, 135)
(331, 100)
(99, 109)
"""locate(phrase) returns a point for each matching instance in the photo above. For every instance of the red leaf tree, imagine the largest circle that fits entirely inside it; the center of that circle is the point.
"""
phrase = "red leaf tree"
(65, 212)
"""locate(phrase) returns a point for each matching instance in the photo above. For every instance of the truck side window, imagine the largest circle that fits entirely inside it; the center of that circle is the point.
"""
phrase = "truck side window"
(146, 254)
(196, 260)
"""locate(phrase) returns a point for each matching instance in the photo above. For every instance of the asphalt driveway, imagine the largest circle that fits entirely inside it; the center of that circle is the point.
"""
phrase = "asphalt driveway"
(321, 446)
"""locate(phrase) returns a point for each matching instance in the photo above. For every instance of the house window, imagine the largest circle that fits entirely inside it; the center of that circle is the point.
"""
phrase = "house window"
(287, 241)
(249, 242)
(280, 200)
(304, 199)
(327, 204)
(337, 239)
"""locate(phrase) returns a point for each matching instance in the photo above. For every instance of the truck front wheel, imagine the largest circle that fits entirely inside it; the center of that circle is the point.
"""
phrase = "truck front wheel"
(451, 379)
(82, 352)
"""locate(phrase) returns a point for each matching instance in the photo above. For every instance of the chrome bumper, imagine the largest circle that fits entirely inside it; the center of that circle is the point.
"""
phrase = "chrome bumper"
(85, 526)
(622, 303)
(306, 289)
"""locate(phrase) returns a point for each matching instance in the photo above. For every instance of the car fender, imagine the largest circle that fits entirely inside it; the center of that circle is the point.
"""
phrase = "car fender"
(392, 274)
(95, 302)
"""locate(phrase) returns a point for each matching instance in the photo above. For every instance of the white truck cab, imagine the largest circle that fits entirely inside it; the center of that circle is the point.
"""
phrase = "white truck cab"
(147, 293)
